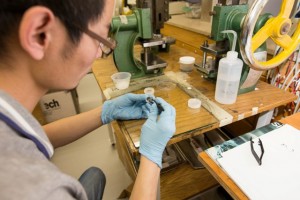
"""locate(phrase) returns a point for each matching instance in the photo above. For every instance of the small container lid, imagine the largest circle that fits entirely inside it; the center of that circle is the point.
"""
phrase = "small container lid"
(187, 60)
(149, 90)
(194, 103)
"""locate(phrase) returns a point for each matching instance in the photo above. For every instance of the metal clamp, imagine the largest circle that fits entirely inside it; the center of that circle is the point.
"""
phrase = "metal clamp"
(258, 158)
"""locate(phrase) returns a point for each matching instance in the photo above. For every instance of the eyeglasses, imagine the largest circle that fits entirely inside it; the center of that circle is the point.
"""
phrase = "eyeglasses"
(106, 45)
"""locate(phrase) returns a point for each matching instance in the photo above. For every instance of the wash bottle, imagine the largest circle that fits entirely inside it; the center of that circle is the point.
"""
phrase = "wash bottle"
(229, 74)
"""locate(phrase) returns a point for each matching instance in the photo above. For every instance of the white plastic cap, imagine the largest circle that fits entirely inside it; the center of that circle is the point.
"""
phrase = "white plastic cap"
(232, 55)
(194, 103)
(187, 60)
(149, 90)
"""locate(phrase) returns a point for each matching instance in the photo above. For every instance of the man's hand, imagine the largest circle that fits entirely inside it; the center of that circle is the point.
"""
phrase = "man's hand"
(157, 131)
(125, 107)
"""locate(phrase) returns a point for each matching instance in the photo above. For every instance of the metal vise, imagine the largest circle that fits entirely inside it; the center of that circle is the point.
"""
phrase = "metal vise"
(137, 45)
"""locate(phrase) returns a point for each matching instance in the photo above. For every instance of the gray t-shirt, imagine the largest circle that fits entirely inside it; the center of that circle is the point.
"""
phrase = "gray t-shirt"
(25, 173)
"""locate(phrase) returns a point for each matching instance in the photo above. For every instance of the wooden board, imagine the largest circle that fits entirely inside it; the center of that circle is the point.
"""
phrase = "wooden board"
(187, 119)
(187, 180)
(186, 39)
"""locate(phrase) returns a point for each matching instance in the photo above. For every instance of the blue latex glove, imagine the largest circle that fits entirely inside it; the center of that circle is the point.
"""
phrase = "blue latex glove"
(157, 131)
(125, 107)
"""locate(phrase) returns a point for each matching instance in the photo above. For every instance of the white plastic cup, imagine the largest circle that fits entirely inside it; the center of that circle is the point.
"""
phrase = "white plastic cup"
(186, 63)
(121, 80)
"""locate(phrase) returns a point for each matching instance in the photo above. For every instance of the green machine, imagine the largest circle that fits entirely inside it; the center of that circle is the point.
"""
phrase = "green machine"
(138, 40)
(230, 17)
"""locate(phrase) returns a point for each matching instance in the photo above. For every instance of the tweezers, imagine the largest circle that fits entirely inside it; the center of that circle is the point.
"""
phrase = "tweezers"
(257, 158)
(159, 106)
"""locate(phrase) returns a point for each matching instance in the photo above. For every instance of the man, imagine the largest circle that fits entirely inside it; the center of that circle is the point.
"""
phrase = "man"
(48, 44)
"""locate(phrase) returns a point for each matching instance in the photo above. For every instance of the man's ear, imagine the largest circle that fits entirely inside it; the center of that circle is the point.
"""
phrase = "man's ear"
(34, 32)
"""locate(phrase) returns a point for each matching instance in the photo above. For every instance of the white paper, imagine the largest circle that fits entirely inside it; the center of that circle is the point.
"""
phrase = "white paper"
(279, 175)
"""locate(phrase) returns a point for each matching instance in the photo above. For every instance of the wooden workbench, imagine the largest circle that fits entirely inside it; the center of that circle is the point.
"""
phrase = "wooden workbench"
(183, 182)
(265, 98)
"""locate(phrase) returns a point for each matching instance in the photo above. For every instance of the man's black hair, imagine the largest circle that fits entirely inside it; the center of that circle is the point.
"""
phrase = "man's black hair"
(70, 12)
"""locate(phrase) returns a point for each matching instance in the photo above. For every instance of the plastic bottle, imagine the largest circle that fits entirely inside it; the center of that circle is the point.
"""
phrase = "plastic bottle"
(229, 74)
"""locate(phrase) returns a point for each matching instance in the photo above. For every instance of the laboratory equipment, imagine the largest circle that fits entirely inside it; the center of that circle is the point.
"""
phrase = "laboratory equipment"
(246, 22)
(140, 32)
